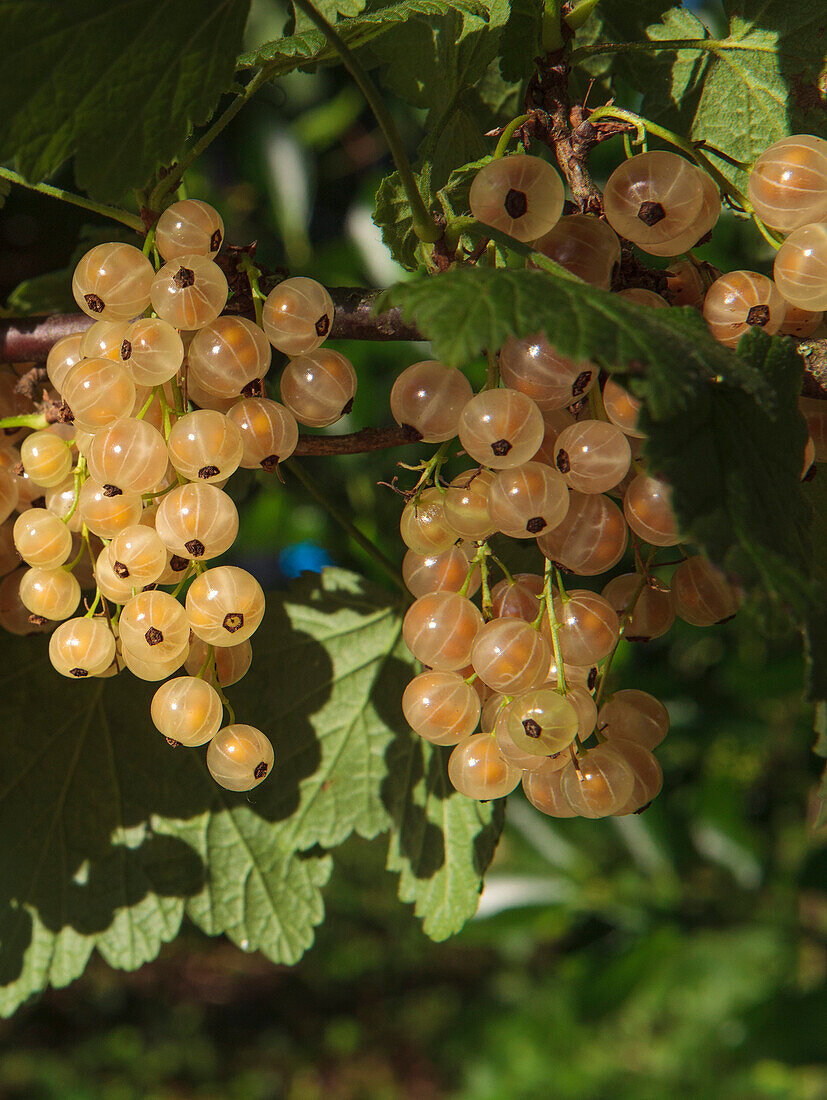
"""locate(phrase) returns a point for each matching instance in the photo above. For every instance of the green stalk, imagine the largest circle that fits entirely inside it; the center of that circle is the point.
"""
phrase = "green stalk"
(113, 212)
(554, 626)
(552, 37)
(423, 222)
(643, 125)
(507, 134)
(173, 180)
(339, 517)
(26, 420)
(658, 46)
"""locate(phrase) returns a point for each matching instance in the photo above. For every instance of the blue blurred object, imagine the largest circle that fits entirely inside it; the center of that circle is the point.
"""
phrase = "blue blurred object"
(303, 557)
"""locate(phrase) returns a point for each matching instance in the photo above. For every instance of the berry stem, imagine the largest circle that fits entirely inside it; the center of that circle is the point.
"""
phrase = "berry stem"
(113, 212)
(27, 420)
(554, 626)
(145, 407)
(492, 371)
(507, 134)
(552, 36)
(208, 660)
(253, 274)
(643, 125)
(423, 223)
(487, 604)
(94, 606)
(643, 569)
(336, 514)
(80, 477)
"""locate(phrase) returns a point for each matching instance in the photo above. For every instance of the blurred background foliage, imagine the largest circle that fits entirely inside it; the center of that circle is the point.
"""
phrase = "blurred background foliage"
(680, 953)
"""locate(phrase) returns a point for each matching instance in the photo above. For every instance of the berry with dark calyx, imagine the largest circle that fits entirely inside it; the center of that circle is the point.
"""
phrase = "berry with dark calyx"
(519, 195)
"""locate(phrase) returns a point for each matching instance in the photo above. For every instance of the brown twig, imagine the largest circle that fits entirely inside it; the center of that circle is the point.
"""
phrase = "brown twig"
(28, 339)
(553, 117)
(367, 439)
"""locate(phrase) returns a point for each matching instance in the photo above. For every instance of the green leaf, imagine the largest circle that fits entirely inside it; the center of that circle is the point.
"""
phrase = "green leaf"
(452, 55)
(442, 842)
(118, 86)
(392, 214)
(330, 9)
(762, 80)
(615, 21)
(724, 428)
(310, 47)
(112, 836)
(520, 42)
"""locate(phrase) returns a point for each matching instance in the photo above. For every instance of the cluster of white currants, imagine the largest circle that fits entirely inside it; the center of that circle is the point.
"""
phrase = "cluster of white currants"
(132, 478)
(515, 685)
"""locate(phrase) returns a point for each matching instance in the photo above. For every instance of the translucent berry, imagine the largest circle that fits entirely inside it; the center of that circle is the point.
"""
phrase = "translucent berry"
(298, 316)
(800, 322)
(189, 292)
(152, 671)
(585, 707)
(152, 351)
(46, 459)
(429, 398)
(555, 421)
(543, 788)
(111, 586)
(129, 455)
(526, 500)
(592, 456)
(239, 757)
(702, 594)
(98, 391)
(154, 627)
(205, 399)
(269, 432)
(542, 722)
(49, 593)
(685, 286)
(800, 268)
(643, 297)
(225, 605)
(647, 506)
(478, 769)
(510, 656)
(101, 341)
(622, 409)
(197, 521)
(788, 183)
(517, 599)
(648, 611)
(137, 555)
(106, 512)
(599, 784)
(445, 572)
(588, 627)
(501, 428)
(41, 538)
(230, 662)
(9, 558)
(228, 355)
(519, 195)
(205, 446)
(634, 715)
(647, 773)
(112, 282)
(189, 227)
(586, 246)
(82, 647)
(531, 366)
(64, 355)
(187, 710)
(742, 299)
(423, 525)
(525, 761)
(441, 707)
(658, 200)
(439, 629)
(9, 494)
(465, 504)
(319, 387)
